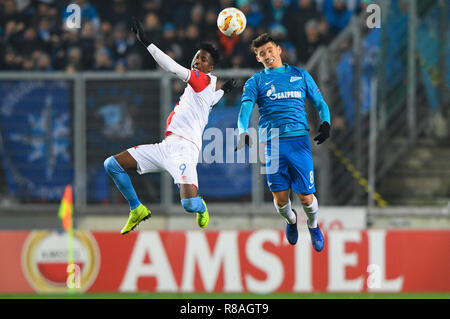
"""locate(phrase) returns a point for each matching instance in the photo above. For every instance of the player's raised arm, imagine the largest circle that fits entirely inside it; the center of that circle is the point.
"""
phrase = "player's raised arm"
(163, 60)
(314, 95)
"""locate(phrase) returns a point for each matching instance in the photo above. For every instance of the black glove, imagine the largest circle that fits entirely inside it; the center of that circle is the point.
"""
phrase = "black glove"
(324, 133)
(139, 31)
(244, 139)
(229, 85)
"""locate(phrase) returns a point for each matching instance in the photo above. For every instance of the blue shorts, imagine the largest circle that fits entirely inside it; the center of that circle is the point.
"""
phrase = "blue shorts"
(289, 165)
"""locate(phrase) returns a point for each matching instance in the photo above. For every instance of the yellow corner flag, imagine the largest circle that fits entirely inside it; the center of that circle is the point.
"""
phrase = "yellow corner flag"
(66, 208)
(65, 214)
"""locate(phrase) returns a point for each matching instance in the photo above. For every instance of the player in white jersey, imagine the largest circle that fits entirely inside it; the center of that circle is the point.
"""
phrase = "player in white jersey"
(178, 153)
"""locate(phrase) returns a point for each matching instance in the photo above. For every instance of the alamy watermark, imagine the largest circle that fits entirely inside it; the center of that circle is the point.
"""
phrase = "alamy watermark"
(220, 148)
(373, 20)
(73, 276)
(73, 20)
(374, 278)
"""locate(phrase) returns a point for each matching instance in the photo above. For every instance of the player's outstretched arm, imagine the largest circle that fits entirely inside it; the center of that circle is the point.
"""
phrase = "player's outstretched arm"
(243, 120)
(324, 113)
(324, 133)
(228, 86)
(163, 60)
(313, 93)
(139, 32)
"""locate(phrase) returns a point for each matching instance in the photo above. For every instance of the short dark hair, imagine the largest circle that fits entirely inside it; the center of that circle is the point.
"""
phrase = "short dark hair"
(261, 40)
(208, 47)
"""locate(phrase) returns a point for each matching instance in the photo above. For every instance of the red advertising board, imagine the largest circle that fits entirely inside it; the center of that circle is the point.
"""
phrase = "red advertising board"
(226, 261)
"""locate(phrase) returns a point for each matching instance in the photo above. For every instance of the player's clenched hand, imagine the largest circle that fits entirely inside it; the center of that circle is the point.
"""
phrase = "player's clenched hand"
(324, 133)
(244, 139)
(139, 32)
(229, 85)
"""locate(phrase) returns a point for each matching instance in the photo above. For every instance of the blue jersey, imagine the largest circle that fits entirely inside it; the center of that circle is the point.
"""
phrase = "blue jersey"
(280, 95)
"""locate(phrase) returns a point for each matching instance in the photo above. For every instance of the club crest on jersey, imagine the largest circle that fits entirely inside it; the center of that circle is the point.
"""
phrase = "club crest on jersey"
(273, 95)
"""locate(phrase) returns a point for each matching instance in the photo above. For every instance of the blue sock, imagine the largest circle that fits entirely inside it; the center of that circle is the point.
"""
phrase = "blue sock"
(193, 205)
(122, 181)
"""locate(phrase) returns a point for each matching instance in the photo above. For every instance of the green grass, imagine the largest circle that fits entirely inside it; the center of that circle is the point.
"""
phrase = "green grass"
(230, 296)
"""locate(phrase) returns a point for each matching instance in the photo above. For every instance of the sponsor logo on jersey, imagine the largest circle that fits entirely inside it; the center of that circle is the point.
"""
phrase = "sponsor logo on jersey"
(273, 95)
(295, 78)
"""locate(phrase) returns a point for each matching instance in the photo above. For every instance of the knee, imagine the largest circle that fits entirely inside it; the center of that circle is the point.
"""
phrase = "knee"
(306, 200)
(192, 205)
(281, 202)
(108, 163)
(111, 165)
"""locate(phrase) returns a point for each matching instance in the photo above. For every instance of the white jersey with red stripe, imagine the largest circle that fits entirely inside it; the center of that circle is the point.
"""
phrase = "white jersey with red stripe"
(190, 115)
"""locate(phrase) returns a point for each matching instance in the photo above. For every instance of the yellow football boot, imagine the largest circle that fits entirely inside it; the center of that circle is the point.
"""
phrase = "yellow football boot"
(137, 215)
(203, 218)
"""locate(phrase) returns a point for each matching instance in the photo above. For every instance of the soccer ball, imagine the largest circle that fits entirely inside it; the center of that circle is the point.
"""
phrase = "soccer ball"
(231, 22)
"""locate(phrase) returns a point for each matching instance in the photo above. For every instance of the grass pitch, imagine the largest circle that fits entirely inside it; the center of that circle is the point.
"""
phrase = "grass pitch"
(229, 296)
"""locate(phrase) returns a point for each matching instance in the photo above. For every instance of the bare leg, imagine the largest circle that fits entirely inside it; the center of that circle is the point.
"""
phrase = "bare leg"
(126, 160)
(306, 200)
(281, 198)
(188, 191)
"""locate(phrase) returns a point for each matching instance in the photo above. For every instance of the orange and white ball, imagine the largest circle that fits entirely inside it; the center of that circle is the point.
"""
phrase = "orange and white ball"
(231, 21)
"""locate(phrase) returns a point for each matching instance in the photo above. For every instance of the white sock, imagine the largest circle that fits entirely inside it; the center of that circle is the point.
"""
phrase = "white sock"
(312, 212)
(286, 212)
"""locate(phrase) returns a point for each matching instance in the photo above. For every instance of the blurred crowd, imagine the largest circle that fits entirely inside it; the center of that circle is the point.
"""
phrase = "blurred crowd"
(34, 34)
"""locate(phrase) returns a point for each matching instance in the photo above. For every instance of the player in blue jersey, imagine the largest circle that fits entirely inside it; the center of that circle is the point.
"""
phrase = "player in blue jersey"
(280, 91)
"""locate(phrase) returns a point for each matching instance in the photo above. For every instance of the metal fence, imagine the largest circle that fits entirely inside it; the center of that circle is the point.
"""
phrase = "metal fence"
(383, 86)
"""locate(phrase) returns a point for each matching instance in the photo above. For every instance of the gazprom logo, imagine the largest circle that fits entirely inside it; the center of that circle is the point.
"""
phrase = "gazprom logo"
(273, 95)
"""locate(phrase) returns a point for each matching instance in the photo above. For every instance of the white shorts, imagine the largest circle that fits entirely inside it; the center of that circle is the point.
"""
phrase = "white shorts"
(174, 154)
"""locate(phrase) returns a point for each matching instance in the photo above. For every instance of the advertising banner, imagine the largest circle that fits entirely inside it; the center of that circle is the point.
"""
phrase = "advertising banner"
(36, 138)
(258, 261)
